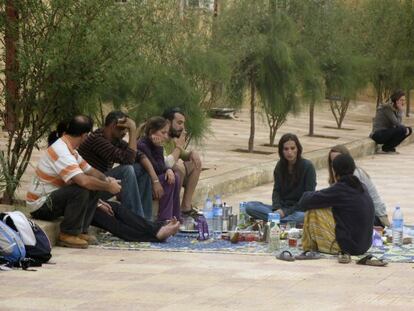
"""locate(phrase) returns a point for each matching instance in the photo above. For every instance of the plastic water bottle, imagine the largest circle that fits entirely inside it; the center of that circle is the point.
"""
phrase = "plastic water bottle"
(397, 226)
(208, 215)
(274, 232)
(242, 213)
(217, 217)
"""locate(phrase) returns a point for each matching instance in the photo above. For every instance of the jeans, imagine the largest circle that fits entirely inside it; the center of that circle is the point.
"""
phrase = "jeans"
(126, 225)
(130, 195)
(76, 204)
(259, 210)
(391, 138)
(145, 187)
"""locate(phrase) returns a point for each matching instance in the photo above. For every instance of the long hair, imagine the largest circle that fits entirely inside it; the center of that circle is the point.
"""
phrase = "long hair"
(154, 124)
(344, 166)
(284, 165)
(339, 149)
(396, 96)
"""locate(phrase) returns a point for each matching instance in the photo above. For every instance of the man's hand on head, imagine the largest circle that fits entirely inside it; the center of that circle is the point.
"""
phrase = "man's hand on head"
(127, 123)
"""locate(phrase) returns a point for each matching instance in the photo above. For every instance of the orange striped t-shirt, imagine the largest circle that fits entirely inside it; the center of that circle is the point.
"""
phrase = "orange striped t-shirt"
(55, 169)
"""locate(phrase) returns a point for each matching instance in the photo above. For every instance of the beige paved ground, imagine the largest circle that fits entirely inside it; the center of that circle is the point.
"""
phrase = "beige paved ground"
(96, 279)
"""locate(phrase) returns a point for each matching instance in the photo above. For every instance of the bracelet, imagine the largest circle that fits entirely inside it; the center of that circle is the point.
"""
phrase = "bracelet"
(155, 181)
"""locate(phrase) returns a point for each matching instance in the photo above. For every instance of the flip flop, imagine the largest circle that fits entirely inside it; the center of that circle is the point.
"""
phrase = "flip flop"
(371, 260)
(308, 255)
(286, 256)
(344, 258)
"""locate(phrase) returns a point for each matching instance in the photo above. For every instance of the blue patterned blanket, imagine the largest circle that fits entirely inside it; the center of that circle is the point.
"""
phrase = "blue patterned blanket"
(189, 243)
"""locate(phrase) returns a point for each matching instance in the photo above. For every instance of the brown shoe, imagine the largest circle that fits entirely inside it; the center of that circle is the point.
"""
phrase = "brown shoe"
(72, 241)
(91, 239)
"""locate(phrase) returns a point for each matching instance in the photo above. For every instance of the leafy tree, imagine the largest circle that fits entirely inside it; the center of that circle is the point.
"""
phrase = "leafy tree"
(327, 33)
(264, 47)
(408, 50)
(66, 56)
(313, 28)
(382, 33)
(59, 54)
(175, 65)
(287, 73)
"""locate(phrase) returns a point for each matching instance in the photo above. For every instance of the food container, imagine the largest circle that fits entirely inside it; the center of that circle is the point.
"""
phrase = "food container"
(247, 236)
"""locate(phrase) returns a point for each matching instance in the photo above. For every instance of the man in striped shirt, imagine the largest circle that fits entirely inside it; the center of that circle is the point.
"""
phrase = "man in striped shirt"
(105, 146)
(66, 185)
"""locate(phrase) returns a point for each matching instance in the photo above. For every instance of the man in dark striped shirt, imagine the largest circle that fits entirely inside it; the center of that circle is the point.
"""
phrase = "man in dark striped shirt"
(105, 146)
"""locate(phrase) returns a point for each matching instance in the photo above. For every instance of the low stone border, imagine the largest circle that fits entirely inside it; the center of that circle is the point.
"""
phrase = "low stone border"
(246, 178)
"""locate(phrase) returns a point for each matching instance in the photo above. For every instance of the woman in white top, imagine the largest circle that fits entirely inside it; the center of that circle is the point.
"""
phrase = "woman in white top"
(381, 218)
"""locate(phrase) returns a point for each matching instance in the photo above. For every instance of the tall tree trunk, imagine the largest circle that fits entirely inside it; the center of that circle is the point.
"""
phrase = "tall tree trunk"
(181, 7)
(252, 111)
(407, 108)
(215, 8)
(379, 92)
(311, 117)
(216, 89)
(11, 37)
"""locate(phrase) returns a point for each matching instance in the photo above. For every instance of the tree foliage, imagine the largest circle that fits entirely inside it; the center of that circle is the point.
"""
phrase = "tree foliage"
(385, 29)
(267, 59)
(62, 57)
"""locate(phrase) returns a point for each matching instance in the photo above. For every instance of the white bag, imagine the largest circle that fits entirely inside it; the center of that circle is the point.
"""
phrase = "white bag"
(23, 226)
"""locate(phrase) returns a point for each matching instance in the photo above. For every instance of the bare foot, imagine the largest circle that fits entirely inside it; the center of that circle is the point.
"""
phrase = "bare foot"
(168, 230)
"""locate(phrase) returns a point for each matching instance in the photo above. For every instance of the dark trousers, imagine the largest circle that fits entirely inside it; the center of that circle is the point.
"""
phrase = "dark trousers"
(76, 204)
(126, 224)
(391, 138)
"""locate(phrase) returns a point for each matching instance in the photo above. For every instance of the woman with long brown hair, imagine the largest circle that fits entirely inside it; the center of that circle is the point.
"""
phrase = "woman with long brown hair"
(155, 134)
(293, 175)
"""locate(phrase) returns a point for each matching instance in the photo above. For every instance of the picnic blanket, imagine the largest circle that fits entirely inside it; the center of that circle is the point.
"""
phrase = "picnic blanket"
(184, 242)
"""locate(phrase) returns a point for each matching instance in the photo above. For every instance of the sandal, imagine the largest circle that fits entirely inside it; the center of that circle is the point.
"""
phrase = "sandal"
(286, 256)
(344, 257)
(191, 213)
(371, 260)
(307, 255)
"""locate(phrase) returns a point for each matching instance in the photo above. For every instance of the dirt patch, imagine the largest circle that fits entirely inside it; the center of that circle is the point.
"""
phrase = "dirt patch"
(255, 151)
(336, 128)
(323, 136)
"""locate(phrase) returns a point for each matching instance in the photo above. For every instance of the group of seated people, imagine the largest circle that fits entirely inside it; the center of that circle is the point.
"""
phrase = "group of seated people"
(337, 219)
(76, 178)
(340, 218)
